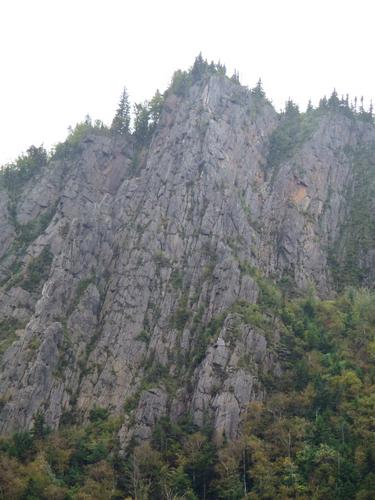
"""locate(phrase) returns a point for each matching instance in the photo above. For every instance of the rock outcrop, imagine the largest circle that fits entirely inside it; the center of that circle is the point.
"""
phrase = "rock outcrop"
(143, 255)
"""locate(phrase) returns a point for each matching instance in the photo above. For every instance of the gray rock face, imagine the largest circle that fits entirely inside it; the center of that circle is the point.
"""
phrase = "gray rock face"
(149, 250)
(228, 378)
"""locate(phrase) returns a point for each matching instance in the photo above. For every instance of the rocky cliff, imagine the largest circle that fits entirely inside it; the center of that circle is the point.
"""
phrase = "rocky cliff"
(132, 277)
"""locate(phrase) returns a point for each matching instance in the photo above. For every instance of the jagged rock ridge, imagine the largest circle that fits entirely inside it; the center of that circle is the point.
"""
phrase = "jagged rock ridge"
(144, 257)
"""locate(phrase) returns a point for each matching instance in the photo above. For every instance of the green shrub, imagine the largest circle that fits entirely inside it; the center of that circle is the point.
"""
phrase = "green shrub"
(98, 414)
(72, 146)
(181, 315)
(144, 336)
(37, 271)
(176, 279)
(15, 175)
(21, 446)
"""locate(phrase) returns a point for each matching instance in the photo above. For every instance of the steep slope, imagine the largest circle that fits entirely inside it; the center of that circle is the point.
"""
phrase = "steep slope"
(142, 286)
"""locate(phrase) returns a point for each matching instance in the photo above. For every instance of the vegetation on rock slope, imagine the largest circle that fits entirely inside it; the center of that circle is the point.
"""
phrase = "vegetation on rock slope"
(312, 438)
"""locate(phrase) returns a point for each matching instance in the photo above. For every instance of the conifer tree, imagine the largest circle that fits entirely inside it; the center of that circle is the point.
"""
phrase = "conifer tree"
(258, 91)
(155, 107)
(121, 121)
(199, 68)
(291, 108)
(141, 122)
(361, 108)
(221, 69)
(235, 77)
(333, 101)
(40, 429)
(323, 103)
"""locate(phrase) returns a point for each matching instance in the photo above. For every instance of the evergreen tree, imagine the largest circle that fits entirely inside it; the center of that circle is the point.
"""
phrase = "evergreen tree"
(258, 91)
(323, 103)
(121, 121)
(40, 429)
(199, 68)
(333, 101)
(155, 107)
(212, 67)
(361, 108)
(88, 121)
(291, 108)
(286, 137)
(235, 77)
(221, 69)
(141, 122)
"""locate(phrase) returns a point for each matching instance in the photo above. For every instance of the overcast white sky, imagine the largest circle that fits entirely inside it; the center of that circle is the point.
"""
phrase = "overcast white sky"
(62, 59)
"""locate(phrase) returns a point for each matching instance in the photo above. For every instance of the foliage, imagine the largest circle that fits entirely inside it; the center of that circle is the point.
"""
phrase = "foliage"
(36, 273)
(25, 234)
(15, 175)
(141, 123)
(313, 435)
(121, 120)
(293, 130)
(155, 107)
(311, 438)
(146, 118)
(72, 146)
(306, 438)
(258, 91)
(203, 335)
(81, 289)
(201, 69)
(181, 315)
(144, 336)
(348, 255)
(40, 430)
(177, 279)
(181, 82)
(8, 328)
(98, 414)
(334, 104)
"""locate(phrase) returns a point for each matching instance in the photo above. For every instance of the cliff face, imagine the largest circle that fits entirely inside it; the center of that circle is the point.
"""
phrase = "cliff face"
(129, 290)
